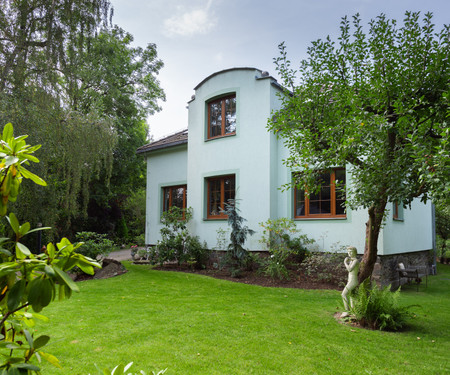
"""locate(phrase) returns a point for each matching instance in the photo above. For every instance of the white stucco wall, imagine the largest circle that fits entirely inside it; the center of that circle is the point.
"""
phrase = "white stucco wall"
(166, 167)
(255, 157)
(413, 233)
(246, 154)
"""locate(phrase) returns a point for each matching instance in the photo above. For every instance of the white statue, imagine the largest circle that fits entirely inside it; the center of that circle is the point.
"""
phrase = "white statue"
(352, 264)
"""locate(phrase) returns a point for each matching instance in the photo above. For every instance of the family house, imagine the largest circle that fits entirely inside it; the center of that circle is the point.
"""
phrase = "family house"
(226, 152)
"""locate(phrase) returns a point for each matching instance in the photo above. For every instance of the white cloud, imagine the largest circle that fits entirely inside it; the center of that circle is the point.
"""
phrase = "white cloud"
(190, 23)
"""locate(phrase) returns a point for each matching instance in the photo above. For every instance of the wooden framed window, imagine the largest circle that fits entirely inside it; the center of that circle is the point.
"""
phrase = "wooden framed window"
(174, 196)
(328, 202)
(397, 211)
(222, 117)
(220, 190)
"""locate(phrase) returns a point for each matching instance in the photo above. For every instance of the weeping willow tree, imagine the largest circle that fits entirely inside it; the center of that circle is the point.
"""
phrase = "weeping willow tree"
(80, 148)
(76, 86)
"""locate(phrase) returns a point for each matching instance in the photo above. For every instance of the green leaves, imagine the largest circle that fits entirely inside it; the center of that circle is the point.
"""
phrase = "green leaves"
(16, 295)
(7, 132)
(65, 279)
(27, 174)
(375, 101)
(14, 152)
(41, 293)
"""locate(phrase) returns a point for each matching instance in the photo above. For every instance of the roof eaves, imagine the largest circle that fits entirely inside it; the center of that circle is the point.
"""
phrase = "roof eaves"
(160, 147)
(180, 138)
(223, 71)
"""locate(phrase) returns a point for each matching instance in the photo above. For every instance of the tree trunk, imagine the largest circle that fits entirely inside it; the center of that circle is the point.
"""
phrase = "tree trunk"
(373, 227)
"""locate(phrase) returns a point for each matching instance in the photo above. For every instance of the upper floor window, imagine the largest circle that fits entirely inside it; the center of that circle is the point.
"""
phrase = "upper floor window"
(220, 191)
(174, 196)
(222, 117)
(327, 202)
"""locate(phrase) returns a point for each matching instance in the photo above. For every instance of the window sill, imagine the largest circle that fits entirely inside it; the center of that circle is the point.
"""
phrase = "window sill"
(220, 137)
(320, 218)
(215, 218)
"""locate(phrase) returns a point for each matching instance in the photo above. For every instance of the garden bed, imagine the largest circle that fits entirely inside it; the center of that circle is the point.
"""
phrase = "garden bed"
(299, 278)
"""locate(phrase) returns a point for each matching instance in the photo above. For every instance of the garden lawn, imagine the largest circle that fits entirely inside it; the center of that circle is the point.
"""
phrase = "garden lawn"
(194, 324)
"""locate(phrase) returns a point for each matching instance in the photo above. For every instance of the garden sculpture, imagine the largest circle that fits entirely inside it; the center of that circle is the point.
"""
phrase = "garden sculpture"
(352, 264)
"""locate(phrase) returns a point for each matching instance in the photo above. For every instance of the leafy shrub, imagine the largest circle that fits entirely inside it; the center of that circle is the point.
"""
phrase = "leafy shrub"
(252, 262)
(196, 253)
(378, 308)
(299, 251)
(176, 243)
(139, 240)
(29, 282)
(174, 235)
(221, 239)
(276, 269)
(94, 244)
(282, 248)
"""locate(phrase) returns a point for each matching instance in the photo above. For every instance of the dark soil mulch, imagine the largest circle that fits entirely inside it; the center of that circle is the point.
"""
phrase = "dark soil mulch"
(297, 278)
(110, 268)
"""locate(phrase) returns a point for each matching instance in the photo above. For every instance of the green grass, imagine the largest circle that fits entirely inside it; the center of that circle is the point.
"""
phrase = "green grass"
(192, 324)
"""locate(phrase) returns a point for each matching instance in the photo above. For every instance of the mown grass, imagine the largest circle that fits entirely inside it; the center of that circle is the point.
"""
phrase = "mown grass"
(193, 324)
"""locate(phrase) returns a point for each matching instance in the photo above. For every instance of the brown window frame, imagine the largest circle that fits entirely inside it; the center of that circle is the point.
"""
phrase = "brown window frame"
(222, 133)
(395, 214)
(333, 199)
(397, 211)
(222, 179)
(170, 188)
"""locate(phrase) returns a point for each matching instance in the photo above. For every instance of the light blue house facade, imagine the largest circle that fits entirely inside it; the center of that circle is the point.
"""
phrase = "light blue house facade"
(227, 152)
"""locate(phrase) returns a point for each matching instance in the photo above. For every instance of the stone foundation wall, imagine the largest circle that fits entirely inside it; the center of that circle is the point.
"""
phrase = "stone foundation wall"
(385, 270)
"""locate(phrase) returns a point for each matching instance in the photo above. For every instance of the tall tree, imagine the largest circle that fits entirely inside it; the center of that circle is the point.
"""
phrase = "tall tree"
(120, 81)
(35, 35)
(377, 102)
(78, 87)
(36, 38)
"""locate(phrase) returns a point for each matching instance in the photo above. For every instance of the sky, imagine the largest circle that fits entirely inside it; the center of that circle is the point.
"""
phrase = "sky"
(196, 38)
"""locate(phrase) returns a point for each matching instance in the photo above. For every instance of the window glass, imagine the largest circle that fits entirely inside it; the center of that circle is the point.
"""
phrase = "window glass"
(214, 197)
(222, 117)
(166, 199)
(300, 203)
(215, 119)
(220, 190)
(174, 196)
(228, 189)
(230, 115)
(178, 197)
